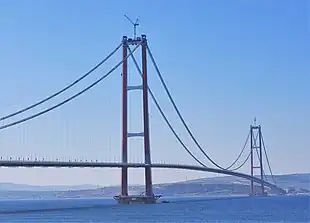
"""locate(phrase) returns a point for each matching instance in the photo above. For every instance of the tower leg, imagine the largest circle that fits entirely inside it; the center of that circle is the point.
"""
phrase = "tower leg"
(261, 159)
(147, 155)
(124, 182)
(252, 161)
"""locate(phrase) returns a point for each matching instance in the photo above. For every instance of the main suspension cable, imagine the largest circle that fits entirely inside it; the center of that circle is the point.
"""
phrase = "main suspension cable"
(258, 156)
(178, 112)
(242, 164)
(163, 114)
(247, 158)
(269, 166)
(62, 90)
(240, 154)
(70, 98)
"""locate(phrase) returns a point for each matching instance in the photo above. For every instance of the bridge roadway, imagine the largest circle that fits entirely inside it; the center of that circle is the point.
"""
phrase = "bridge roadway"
(70, 164)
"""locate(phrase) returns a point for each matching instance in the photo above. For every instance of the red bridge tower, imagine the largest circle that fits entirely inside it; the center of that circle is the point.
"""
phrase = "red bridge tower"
(148, 197)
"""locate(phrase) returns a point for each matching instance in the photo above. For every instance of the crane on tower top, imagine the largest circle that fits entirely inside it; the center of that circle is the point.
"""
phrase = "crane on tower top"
(135, 24)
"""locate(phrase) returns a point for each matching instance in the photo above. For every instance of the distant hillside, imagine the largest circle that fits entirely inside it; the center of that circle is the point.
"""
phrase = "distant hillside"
(226, 185)
(298, 180)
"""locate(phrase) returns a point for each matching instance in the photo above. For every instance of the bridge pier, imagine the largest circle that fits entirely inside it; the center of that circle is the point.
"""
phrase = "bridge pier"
(137, 199)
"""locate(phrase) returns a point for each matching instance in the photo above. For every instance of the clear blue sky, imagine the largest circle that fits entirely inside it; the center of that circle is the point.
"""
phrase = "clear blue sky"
(224, 62)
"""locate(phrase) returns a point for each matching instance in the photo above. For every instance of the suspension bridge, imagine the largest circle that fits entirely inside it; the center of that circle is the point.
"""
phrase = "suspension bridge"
(129, 46)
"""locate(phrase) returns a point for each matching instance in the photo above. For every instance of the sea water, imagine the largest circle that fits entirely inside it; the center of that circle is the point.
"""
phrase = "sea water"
(202, 209)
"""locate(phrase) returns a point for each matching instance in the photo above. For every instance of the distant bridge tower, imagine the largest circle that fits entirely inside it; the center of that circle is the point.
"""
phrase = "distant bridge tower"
(148, 197)
(256, 148)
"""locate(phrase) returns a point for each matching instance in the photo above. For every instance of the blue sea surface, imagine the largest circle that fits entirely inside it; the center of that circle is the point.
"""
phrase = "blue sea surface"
(203, 209)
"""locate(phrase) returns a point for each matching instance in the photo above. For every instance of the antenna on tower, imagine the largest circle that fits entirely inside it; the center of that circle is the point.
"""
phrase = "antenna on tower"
(255, 120)
(135, 24)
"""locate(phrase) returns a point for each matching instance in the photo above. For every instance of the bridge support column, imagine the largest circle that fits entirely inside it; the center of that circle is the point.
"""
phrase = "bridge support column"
(256, 148)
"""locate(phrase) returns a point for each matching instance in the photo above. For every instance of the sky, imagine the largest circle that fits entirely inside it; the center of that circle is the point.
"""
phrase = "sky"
(225, 62)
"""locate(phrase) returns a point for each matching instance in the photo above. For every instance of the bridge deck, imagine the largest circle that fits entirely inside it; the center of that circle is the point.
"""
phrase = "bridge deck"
(68, 164)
